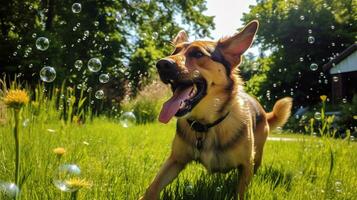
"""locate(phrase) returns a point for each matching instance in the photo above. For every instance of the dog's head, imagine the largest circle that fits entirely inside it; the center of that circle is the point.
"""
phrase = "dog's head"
(201, 73)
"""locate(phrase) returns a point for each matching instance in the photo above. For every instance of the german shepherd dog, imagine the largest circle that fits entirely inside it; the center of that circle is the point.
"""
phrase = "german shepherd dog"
(219, 125)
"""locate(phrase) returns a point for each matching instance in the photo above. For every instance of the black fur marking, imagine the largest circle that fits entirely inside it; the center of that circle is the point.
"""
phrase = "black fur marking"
(217, 56)
(231, 143)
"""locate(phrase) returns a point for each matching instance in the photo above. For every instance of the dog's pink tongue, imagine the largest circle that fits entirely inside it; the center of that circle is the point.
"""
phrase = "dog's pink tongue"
(171, 106)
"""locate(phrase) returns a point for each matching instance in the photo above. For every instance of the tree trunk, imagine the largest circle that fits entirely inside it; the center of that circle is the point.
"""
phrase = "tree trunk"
(50, 14)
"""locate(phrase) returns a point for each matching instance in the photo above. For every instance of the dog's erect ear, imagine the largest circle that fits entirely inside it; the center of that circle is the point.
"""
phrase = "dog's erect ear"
(180, 37)
(234, 46)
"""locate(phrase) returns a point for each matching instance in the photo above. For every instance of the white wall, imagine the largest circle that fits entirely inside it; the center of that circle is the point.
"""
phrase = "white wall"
(348, 64)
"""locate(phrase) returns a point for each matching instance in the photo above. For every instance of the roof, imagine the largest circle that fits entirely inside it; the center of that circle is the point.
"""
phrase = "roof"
(340, 57)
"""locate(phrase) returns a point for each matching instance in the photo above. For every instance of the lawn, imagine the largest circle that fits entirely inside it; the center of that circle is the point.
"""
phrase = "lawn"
(120, 162)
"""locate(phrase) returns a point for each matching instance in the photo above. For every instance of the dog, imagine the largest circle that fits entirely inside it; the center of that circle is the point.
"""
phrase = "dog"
(218, 124)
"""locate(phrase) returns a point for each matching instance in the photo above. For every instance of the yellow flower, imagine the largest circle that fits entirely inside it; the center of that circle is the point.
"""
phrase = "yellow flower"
(59, 151)
(16, 98)
(323, 97)
(35, 104)
(330, 119)
(78, 183)
(76, 119)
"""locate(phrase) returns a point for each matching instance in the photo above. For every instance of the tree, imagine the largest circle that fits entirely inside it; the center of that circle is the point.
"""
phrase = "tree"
(128, 36)
(298, 34)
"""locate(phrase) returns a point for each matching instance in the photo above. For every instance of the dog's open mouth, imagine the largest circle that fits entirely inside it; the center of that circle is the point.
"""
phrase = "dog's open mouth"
(186, 95)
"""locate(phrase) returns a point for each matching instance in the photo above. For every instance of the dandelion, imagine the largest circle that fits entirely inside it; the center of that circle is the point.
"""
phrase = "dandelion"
(16, 99)
(59, 151)
(76, 119)
(323, 98)
(77, 184)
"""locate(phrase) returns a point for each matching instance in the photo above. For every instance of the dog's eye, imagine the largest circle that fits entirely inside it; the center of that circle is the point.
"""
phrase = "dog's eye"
(196, 54)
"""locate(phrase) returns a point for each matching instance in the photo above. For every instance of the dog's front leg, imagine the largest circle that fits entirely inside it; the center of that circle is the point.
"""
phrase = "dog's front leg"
(245, 175)
(167, 173)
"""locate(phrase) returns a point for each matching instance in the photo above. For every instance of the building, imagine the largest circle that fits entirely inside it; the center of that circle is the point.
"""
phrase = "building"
(343, 75)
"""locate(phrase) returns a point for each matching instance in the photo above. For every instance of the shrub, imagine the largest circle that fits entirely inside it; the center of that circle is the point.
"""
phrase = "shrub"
(146, 106)
(348, 119)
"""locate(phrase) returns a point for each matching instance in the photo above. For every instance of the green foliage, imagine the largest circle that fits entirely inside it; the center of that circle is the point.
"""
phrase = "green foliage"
(284, 30)
(146, 110)
(257, 80)
(146, 106)
(348, 119)
(127, 36)
(325, 128)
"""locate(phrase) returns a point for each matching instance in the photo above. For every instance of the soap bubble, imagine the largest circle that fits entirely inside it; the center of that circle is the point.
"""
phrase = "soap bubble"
(317, 115)
(216, 102)
(42, 43)
(155, 35)
(99, 94)
(314, 66)
(302, 17)
(311, 39)
(86, 33)
(104, 78)
(94, 65)
(352, 138)
(48, 74)
(9, 189)
(127, 119)
(189, 190)
(26, 122)
(301, 59)
(64, 174)
(78, 64)
(76, 8)
(335, 78)
(196, 74)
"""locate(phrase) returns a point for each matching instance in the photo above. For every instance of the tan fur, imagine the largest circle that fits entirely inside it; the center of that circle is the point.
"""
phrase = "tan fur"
(235, 143)
(281, 112)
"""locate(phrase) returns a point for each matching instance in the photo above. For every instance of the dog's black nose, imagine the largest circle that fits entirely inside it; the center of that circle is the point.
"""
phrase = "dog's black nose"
(165, 66)
(167, 69)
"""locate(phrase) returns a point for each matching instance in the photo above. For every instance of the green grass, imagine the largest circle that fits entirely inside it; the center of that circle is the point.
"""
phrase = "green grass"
(121, 162)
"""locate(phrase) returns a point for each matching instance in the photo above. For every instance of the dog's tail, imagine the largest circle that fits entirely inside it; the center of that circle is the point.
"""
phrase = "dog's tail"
(281, 113)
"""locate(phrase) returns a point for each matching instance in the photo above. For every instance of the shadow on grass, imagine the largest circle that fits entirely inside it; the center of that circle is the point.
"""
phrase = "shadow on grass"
(277, 177)
(220, 186)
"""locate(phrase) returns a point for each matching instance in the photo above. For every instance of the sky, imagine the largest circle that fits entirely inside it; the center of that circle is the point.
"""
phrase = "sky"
(227, 16)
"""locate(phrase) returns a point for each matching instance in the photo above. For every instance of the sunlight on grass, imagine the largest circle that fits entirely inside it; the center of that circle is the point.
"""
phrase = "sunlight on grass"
(120, 162)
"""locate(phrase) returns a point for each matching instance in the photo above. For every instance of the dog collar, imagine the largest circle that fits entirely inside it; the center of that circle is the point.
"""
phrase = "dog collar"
(199, 127)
